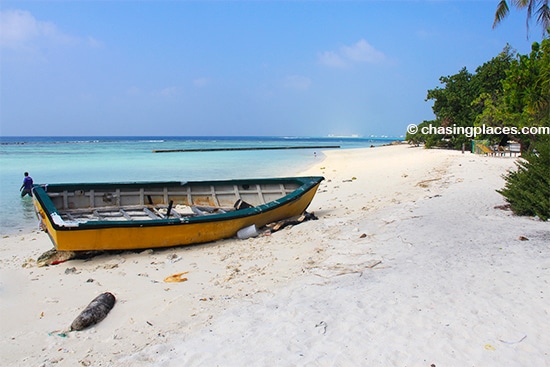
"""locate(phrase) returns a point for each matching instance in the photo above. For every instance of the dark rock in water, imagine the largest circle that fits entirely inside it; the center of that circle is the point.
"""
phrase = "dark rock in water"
(96, 311)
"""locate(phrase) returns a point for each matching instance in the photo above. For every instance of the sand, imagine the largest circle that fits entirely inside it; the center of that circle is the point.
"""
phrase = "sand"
(411, 263)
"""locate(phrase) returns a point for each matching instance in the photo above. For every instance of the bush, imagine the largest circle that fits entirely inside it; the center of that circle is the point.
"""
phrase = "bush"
(527, 190)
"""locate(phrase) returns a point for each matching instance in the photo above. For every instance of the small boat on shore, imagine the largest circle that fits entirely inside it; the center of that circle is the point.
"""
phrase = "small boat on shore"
(127, 216)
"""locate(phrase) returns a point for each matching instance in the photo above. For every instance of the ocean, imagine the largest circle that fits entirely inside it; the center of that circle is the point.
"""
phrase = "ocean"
(130, 159)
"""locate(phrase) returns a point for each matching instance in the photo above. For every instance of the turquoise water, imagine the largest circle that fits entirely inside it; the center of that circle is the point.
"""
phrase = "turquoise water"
(127, 159)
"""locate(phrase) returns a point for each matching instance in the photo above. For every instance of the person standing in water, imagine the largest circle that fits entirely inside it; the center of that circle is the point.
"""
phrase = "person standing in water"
(26, 188)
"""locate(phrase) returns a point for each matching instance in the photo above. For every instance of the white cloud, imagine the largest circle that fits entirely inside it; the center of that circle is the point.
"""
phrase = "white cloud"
(360, 52)
(297, 82)
(332, 59)
(19, 29)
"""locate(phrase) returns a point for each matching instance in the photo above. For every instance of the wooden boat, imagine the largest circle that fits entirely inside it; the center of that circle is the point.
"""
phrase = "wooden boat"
(119, 216)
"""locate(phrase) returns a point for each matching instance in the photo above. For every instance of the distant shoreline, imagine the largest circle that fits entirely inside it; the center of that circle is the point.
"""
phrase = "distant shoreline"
(244, 148)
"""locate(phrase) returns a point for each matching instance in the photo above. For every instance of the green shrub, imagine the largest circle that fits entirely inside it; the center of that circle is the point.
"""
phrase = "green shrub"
(527, 189)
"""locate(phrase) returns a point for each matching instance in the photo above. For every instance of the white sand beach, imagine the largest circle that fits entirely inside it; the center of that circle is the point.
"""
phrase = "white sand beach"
(411, 263)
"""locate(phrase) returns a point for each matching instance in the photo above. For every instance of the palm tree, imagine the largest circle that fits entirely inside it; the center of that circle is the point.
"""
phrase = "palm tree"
(540, 8)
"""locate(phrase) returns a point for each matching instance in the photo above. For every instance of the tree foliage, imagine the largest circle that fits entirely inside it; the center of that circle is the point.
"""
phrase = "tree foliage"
(527, 87)
(527, 190)
(524, 99)
(540, 9)
(452, 105)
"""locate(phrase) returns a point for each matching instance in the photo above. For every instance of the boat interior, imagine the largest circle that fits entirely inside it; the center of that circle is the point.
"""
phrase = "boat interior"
(162, 202)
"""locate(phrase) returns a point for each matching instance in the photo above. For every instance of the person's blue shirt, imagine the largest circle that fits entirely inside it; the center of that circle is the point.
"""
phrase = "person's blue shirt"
(26, 188)
(27, 182)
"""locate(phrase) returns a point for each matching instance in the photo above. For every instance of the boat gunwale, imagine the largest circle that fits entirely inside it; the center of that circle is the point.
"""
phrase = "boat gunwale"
(41, 195)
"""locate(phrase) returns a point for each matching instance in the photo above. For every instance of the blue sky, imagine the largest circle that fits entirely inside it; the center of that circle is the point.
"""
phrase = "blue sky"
(280, 68)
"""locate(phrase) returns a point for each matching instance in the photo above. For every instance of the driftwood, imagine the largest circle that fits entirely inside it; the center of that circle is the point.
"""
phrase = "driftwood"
(277, 226)
(96, 311)
(54, 257)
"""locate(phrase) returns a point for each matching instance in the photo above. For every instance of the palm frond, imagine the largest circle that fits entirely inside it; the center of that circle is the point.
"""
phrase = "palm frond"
(522, 3)
(543, 17)
(530, 4)
(501, 13)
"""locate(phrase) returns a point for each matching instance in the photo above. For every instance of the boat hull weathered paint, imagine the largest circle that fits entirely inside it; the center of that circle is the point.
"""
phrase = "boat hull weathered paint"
(127, 233)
